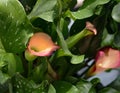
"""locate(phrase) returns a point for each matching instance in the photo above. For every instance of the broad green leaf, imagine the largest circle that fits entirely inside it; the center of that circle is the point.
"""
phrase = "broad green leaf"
(116, 13)
(65, 87)
(85, 87)
(23, 85)
(15, 29)
(43, 9)
(87, 11)
(108, 90)
(3, 77)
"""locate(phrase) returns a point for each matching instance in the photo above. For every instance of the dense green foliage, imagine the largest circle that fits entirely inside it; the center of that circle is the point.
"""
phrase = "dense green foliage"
(20, 19)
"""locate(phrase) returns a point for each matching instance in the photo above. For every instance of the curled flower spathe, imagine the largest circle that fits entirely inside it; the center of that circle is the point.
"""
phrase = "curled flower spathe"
(106, 58)
(41, 44)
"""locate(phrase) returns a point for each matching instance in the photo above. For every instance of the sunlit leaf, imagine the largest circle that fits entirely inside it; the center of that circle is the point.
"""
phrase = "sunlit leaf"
(87, 11)
(43, 9)
(77, 59)
(116, 13)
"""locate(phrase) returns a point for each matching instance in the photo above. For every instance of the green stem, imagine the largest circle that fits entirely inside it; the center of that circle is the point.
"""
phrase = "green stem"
(71, 41)
(10, 87)
(29, 67)
(52, 72)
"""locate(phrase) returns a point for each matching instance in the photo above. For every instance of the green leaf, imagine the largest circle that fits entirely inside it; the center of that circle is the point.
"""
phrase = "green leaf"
(3, 77)
(77, 59)
(11, 61)
(116, 13)
(2, 59)
(15, 29)
(107, 38)
(85, 87)
(116, 40)
(51, 89)
(39, 72)
(87, 11)
(23, 85)
(65, 87)
(65, 50)
(15, 63)
(108, 90)
(43, 9)
(63, 44)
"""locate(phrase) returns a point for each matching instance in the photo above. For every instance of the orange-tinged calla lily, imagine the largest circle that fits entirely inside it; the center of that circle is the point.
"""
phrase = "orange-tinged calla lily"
(41, 44)
(106, 58)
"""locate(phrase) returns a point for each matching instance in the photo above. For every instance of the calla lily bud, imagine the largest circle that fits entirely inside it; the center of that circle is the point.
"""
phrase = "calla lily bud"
(29, 57)
(107, 58)
(41, 44)
(87, 31)
(91, 28)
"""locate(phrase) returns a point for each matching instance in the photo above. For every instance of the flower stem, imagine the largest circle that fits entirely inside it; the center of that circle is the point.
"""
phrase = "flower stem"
(29, 68)
(10, 87)
(52, 73)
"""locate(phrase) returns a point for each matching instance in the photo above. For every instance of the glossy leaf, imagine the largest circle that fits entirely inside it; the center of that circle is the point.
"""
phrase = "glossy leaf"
(77, 59)
(65, 87)
(15, 27)
(85, 87)
(116, 13)
(43, 9)
(22, 85)
(87, 11)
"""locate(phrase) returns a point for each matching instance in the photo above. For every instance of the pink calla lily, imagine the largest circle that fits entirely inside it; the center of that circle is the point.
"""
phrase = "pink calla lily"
(106, 58)
(41, 44)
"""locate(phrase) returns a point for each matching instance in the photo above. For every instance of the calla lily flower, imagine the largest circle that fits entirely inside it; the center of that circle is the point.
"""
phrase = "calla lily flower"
(41, 44)
(107, 58)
